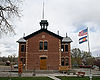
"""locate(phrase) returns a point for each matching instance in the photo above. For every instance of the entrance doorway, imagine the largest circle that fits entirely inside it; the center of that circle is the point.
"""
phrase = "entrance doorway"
(43, 63)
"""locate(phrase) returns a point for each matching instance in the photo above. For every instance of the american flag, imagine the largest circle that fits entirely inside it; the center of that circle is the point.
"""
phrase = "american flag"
(83, 32)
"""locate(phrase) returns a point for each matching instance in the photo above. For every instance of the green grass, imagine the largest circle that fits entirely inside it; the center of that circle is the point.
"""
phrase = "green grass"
(46, 78)
(25, 78)
(77, 78)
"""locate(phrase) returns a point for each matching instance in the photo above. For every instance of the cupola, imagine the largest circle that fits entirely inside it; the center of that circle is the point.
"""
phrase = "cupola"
(44, 24)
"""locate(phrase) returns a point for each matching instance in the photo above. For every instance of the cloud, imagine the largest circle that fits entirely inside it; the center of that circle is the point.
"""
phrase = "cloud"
(67, 16)
(8, 46)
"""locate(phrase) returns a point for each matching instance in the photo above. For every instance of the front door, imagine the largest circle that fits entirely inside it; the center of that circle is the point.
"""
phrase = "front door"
(43, 63)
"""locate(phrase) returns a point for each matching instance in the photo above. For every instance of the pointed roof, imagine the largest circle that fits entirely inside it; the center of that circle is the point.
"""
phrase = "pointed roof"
(21, 40)
(66, 39)
(42, 30)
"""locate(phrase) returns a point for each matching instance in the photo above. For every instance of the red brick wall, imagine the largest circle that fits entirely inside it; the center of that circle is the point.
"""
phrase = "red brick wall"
(67, 54)
(21, 54)
(33, 53)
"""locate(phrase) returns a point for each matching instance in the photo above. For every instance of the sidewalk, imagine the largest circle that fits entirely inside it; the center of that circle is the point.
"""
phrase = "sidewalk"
(5, 73)
(53, 77)
(13, 74)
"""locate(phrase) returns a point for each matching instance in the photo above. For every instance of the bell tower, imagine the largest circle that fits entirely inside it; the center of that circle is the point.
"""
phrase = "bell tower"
(44, 24)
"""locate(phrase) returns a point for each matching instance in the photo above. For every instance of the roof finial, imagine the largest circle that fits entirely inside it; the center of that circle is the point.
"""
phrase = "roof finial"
(66, 35)
(24, 35)
(43, 11)
(58, 32)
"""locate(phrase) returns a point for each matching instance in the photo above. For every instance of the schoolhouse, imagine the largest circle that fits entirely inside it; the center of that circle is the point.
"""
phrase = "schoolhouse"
(44, 50)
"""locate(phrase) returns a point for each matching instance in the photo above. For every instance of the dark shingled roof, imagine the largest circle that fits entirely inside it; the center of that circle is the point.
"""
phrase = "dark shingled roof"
(64, 39)
(43, 30)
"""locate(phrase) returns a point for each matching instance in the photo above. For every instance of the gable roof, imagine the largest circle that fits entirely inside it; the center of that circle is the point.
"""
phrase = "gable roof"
(43, 30)
(66, 39)
(21, 40)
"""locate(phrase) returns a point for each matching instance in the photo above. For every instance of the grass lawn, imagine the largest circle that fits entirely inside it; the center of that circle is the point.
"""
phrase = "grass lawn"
(25, 78)
(77, 78)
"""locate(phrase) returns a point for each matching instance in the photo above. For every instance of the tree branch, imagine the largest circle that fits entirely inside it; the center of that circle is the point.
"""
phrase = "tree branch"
(7, 12)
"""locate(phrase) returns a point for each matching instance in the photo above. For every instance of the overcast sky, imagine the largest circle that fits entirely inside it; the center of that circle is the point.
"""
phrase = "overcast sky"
(67, 16)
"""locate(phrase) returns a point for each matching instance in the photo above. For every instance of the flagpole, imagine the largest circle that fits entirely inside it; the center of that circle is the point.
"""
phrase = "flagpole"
(88, 40)
(89, 52)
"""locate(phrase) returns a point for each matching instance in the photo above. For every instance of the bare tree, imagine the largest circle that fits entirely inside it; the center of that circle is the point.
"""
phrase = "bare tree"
(9, 9)
(14, 57)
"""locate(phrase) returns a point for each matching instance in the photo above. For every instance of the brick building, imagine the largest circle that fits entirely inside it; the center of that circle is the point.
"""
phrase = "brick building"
(44, 50)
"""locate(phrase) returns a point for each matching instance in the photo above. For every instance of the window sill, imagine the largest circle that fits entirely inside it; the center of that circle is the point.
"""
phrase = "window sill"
(64, 65)
(23, 52)
(64, 51)
(43, 50)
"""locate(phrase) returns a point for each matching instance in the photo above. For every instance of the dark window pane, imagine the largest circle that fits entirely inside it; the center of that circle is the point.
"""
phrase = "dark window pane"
(45, 45)
(23, 60)
(67, 61)
(25, 48)
(62, 48)
(42, 57)
(41, 46)
(66, 48)
(22, 48)
(62, 61)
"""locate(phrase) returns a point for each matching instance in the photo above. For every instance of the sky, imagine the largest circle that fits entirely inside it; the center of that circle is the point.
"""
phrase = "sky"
(67, 16)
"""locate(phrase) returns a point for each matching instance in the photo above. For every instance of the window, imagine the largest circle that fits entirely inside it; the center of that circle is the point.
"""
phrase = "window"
(45, 45)
(66, 48)
(67, 61)
(62, 48)
(25, 48)
(42, 57)
(62, 61)
(41, 45)
(23, 60)
(22, 48)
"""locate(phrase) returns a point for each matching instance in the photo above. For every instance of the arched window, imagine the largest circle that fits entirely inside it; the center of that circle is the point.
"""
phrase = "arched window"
(66, 48)
(41, 45)
(62, 61)
(45, 45)
(67, 61)
(62, 48)
(23, 48)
